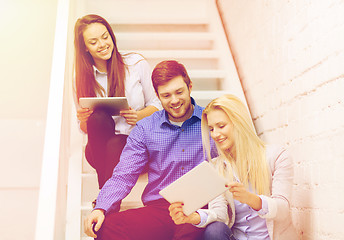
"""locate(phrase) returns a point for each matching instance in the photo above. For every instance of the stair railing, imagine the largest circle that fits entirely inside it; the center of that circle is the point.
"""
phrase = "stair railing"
(50, 222)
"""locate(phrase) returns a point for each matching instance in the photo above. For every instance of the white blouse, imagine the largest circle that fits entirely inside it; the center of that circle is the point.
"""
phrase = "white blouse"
(138, 88)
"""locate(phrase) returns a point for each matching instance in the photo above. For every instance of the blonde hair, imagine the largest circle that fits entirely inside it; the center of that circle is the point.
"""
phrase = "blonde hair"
(250, 162)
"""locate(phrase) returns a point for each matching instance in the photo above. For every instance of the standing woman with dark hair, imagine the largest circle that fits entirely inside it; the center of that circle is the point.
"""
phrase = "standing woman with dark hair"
(101, 71)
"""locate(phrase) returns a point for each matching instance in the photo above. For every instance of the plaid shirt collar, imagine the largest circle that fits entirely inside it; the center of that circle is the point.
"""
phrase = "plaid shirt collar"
(197, 113)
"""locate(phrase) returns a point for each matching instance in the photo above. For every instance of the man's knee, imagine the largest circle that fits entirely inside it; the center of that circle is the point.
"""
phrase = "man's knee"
(113, 227)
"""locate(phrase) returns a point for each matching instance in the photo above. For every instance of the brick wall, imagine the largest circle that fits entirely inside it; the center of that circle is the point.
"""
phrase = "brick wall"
(290, 59)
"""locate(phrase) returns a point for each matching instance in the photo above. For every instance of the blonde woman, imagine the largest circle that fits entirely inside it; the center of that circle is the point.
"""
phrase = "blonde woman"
(259, 177)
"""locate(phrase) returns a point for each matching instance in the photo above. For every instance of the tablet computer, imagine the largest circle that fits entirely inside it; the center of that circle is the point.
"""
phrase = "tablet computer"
(112, 104)
(196, 188)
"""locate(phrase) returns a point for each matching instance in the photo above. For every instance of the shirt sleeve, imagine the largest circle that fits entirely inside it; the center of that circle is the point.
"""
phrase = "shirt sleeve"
(150, 96)
(217, 211)
(265, 208)
(132, 162)
(277, 206)
(204, 217)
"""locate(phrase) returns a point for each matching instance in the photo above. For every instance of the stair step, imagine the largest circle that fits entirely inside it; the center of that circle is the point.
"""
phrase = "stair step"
(178, 54)
(152, 21)
(186, 36)
(87, 238)
(86, 168)
(89, 187)
(207, 80)
(86, 207)
(119, 28)
(90, 192)
(142, 178)
(125, 205)
(89, 175)
(189, 63)
(208, 94)
(204, 74)
(165, 40)
(202, 98)
(136, 12)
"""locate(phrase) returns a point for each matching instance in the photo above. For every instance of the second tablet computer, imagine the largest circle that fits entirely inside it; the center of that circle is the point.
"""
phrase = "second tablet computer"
(112, 104)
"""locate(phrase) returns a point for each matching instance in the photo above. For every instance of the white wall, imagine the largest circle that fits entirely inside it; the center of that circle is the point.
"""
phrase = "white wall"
(26, 41)
(290, 58)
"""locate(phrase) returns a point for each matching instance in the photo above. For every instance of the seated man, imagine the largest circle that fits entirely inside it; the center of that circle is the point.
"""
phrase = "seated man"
(166, 144)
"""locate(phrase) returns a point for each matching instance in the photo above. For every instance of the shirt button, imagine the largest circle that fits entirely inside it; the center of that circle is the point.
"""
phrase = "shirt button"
(182, 150)
(182, 168)
(182, 130)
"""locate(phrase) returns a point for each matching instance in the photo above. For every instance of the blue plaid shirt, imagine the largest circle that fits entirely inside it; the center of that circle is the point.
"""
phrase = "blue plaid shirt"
(164, 150)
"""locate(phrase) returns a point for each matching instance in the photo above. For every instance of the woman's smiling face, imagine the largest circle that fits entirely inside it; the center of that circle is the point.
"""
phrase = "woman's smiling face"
(221, 129)
(98, 42)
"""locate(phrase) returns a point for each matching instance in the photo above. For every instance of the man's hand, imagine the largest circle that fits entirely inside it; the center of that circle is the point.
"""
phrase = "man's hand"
(178, 216)
(96, 217)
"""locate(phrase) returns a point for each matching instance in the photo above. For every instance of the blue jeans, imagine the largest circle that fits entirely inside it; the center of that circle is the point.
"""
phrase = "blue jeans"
(218, 231)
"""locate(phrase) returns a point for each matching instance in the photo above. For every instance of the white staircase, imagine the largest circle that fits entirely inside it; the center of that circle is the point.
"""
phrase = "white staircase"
(189, 31)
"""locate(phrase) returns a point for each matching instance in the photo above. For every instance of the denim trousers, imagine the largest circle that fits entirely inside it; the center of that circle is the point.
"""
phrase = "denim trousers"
(218, 231)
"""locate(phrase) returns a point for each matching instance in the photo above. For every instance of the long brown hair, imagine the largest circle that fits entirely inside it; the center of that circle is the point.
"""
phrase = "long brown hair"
(85, 83)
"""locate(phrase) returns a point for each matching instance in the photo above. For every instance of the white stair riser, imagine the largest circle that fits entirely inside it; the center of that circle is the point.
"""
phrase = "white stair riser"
(138, 11)
(178, 28)
(151, 44)
(189, 63)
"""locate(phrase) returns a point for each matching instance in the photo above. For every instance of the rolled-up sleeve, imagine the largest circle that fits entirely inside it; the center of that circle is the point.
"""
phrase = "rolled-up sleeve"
(217, 211)
(277, 206)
